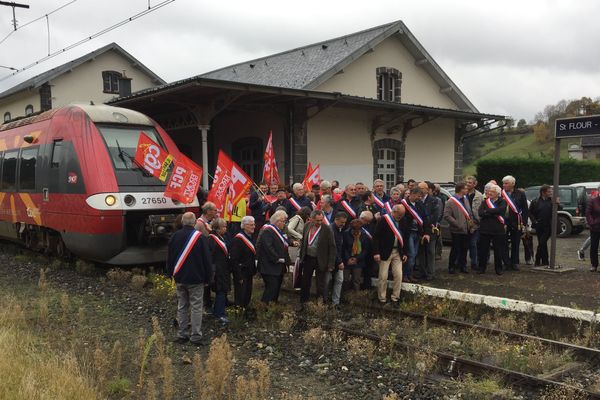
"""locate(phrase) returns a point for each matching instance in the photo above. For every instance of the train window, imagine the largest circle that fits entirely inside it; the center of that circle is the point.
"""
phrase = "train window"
(122, 143)
(9, 171)
(27, 169)
(56, 153)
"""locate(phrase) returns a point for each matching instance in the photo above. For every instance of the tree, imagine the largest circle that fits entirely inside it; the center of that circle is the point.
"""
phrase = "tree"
(522, 123)
(541, 132)
(510, 122)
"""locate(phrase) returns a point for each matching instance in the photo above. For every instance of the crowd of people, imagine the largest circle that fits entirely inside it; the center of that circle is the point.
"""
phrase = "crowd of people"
(345, 237)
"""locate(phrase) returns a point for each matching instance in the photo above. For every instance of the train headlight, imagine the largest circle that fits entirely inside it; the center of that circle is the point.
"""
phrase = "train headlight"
(110, 200)
(129, 200)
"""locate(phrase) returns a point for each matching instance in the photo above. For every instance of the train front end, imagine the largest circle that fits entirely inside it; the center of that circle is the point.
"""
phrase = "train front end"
(135, 218)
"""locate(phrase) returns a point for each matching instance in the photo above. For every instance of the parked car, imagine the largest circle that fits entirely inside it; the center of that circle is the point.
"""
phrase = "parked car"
(589, 186)
(571, 219)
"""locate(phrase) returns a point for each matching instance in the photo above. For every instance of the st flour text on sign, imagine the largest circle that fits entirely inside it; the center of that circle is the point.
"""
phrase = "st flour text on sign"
(577, 126)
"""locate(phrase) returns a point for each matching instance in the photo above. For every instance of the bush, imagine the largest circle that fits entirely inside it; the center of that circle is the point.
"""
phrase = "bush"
(536, 171)
(162, 286)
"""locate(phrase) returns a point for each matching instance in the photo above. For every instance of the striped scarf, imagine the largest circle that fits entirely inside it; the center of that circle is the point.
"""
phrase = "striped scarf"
(356, 245)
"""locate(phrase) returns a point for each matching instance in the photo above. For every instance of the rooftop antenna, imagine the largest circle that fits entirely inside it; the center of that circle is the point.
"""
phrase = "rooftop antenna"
(14, 5)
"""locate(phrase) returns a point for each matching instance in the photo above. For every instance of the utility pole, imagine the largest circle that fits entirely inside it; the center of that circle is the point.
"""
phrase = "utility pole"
(13, 5)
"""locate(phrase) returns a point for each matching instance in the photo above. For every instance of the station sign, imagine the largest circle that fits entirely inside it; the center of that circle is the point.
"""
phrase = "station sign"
(577, 126)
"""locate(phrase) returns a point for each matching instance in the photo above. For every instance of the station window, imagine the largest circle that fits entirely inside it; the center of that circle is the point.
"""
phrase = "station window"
(27, 168)
(6, 116)
(56, 153)
(386, 167)
(9, 171)
(389, 81)
(29, 110)
(110, 81)
(247, 154)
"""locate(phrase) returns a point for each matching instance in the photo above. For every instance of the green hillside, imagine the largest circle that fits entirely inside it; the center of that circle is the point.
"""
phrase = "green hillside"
(520, 146)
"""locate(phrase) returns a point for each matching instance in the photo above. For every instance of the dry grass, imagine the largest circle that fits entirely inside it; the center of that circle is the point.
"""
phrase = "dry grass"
(391, 396)
(119, 276)
(361, 348)
(116, 357)
(30, 371)
(42, 283)
(65, 307)
(381, 326)
(261, 374)
(287, 322)
(315, 338)
(101, 365)
(43, 311)
(138, 282)
(219, 365)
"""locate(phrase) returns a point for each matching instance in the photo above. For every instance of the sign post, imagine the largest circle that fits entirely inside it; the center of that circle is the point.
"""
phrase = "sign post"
(567, 128)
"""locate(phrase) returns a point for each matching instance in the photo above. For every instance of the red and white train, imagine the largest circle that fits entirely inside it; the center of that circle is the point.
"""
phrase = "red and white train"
(68, 184)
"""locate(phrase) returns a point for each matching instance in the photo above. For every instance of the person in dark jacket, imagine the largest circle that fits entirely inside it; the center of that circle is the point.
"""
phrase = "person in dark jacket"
(419, 230)
(243, 262)
(189, 262)
(516, 218)
(592, 215)
(492, 230)
(540, 213)
(388, 251)
(337, 275)
(220, 257)
(272, 254)
(281, 201)
(317, 254)
(259, 205)
(356, 254)
(298, 199)
(433, 211)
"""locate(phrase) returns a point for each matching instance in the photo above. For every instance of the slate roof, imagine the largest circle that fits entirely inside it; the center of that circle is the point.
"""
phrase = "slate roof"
(309, 66)
(44, 77)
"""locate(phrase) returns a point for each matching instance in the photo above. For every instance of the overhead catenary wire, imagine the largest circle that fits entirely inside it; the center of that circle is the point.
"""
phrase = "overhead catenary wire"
(88, 38)
(36, 19)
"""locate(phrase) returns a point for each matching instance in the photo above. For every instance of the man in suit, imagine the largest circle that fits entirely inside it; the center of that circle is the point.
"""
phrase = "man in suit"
(317, 253)
(297, 200)
(516, 218)
(388, 251)
(475, 199)
(243, 265)
(280, 201)
(189, 262)
(433, 211)
(459, 215)
(419, 229)
(259, 205)
(339, 221)
(272, 254)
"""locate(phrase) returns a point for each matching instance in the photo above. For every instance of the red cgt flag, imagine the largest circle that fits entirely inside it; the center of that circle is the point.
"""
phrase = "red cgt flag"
(270, 173)
(152, 157)
(185, 180)
(229, 180)
(312, 177)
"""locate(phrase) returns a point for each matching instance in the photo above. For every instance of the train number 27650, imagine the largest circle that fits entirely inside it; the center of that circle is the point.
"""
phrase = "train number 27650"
(154, 200)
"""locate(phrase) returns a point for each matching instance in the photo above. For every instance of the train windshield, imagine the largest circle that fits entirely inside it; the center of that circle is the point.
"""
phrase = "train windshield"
(122, 143)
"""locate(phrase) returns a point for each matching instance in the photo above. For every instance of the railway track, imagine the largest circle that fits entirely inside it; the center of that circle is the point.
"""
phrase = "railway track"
(453, 365)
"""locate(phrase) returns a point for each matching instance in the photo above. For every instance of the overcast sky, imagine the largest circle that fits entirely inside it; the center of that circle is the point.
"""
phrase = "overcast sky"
(509, 57)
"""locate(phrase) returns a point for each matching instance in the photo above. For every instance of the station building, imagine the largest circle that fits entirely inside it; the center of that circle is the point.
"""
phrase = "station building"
(371, 104)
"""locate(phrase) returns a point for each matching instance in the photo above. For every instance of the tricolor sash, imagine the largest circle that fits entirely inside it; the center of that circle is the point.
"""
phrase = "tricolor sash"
(367, 233)
(394, 228)
(186, 251)
(278, 233)
(203, 222)
(220, 243)
(326, 220)
(413, 212)
(378, 201)
(461, 207)
(314, 206)
(388, 207)
(313, 236)
(348, 208)
(490, 204)
(248, 243)
(295, 203)
(512, 205)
